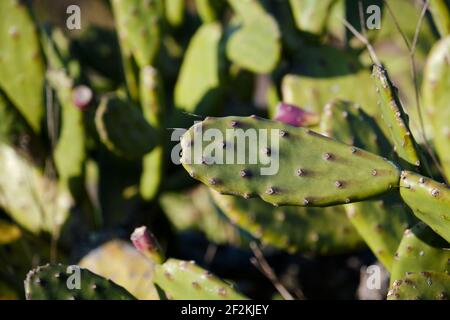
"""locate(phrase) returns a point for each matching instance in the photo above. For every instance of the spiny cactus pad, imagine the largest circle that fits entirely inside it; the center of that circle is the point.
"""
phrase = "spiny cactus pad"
(123, 264)
(421, 286)
(197, 85)
(58, 282)
(313, 170)
(395, 117)
(123, 129)
(182, 280)
(380, 222)
(436, 95)
(420, 250)
(295, 229)
(255, 44)
(21, 65)
(429, 200)
(139, 27)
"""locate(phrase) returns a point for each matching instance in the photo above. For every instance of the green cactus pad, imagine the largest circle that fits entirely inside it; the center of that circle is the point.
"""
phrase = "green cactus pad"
(52, 282)
(395, 117)
(31, 199)
(197, 87)
(311, 15)
(123, 264)
(195, 210)
(209, 10)
(421, 286)
(306, 168)
(324, 73)
(429, 200)
(441, 16)
(69, 153)
(436, 89)
(174, 12)
(318, 231)
(123, 128)
(255, 44)
(380, 222)
(139, 27)
(183, 280)
(21, 64)
(420, 250)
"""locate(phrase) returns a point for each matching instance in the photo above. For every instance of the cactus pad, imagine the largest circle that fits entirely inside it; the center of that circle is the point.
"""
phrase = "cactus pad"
(31, 199)
(429, 200)
(313, 170)
(436, 88)
(21, 64)
(182, 280)
(420, 250)
(138, 27)
(311, 15)
(198, 81)
(50, 282)
(395, 117)
(421, 286)
(318, 231)
(123, 128)
(255, 44)
(123, 264)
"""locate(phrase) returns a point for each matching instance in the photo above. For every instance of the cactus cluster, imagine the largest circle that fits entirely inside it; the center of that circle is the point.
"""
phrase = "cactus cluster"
(340, 159)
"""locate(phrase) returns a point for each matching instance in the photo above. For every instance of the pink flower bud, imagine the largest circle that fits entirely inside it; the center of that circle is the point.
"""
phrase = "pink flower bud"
(295, 116)
(142, 239)
(81, 97)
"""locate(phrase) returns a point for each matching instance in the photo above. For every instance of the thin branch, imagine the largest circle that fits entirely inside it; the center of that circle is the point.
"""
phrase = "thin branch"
(261, 263)
(364, 40)
(411, 49)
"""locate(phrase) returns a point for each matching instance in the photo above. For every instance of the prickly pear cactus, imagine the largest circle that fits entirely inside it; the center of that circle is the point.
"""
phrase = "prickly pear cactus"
(197, 87)
(182, 280)
(59, 282)
(395, 117)
(429, 200)
(139, 27)
(326, 73)
(380, 222)
(255, 44)
(123, 129)
(123, 264)
(313, 170)
(21, 64)
(310, 15)
(318, 231)
(36, 202)
(420, 250)
(69, 153)
(436, 88)
(421, 286)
